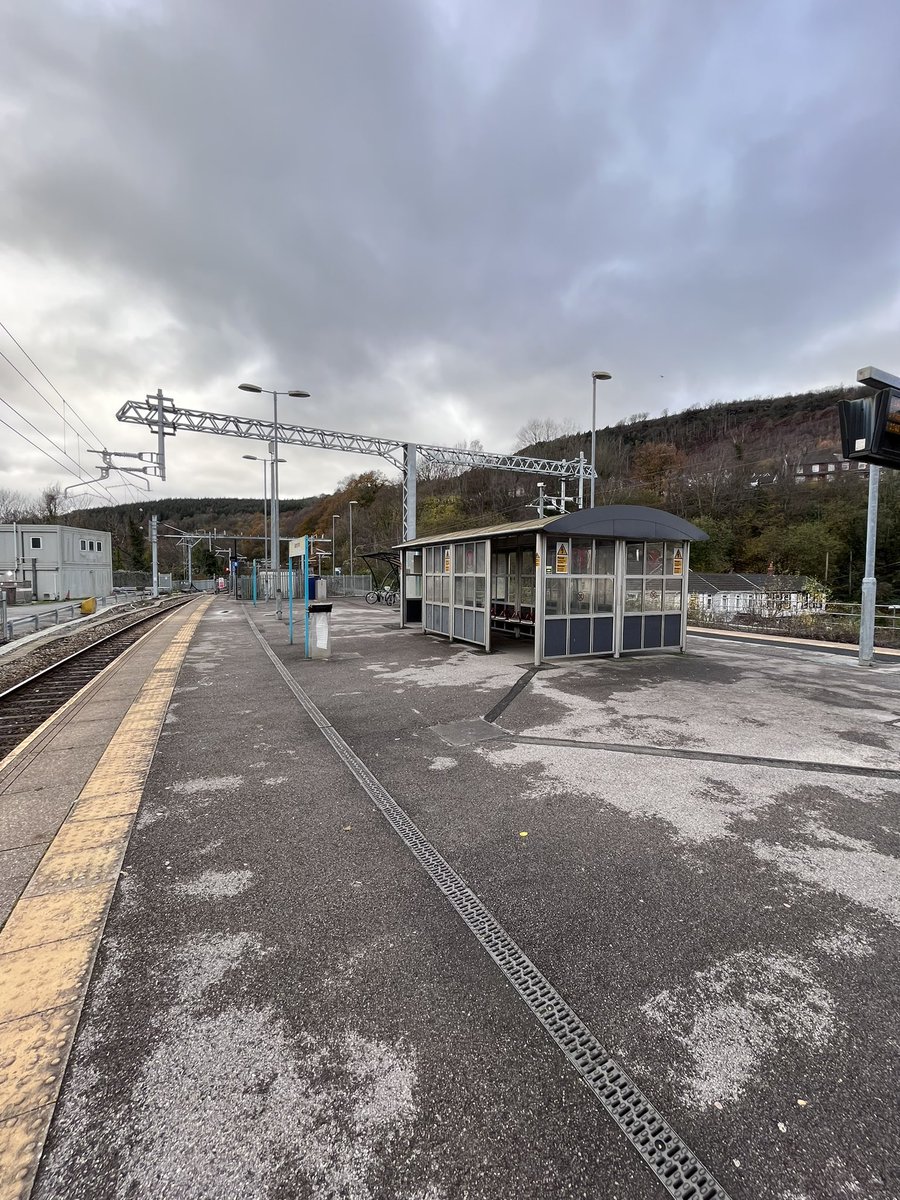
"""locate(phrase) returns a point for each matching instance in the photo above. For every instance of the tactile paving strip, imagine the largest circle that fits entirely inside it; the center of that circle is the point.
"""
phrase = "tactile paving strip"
(673, 1163)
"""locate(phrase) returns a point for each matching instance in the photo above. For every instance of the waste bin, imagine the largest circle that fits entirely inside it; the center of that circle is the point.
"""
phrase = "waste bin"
(319, 630)
(88, 606)
(311, 587)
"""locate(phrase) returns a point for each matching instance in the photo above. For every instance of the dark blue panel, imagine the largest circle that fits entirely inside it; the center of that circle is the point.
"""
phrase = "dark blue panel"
(603, 635)
(458, 622)
(580, 635)
(469, 625)
(555, 639)
(653, 630)
(672, 633)
(631, 633)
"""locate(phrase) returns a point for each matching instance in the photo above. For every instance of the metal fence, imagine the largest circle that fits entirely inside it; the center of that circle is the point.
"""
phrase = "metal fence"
(16, 627)
(834, 623)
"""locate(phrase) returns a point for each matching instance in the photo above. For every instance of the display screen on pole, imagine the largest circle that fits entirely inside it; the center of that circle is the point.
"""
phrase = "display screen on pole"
(892, 418)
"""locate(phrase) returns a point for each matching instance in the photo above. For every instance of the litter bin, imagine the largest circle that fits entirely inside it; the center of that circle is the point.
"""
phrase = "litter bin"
(319, 630)
(311, 587)
(89, 606)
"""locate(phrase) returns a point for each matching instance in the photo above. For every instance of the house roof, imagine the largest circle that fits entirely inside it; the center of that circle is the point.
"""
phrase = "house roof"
(706, 583)
(609, 521)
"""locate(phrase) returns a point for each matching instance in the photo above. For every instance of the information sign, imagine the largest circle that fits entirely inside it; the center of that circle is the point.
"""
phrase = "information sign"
(447, 561)
(562, 558)
(678, 563)
(297, 547)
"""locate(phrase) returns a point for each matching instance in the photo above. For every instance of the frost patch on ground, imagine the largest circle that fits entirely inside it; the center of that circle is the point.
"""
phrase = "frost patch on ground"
(213, 884)
(149, 816)
(441, 764)
(698, 809)
(222, 783)
(583, 717)
(846, 943)
(239, 1104)
(853, 869)
(737, 1014)
(464, 669)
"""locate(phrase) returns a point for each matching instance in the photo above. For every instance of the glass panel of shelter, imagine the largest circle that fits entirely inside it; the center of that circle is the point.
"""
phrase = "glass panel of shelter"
(512, 590)
(436, 612)
(654, 584)
(580, 596)
(469, 591)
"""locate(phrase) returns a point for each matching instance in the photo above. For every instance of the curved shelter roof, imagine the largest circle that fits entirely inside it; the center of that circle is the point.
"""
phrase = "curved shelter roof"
(627, 521)
(609, 521)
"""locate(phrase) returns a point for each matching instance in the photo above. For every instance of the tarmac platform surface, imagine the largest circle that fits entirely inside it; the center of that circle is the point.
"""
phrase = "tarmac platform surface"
(700, 853)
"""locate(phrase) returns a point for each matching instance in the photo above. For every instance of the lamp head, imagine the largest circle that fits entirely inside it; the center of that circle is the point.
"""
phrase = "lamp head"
(601, 375)
(249, 387)
(252, 457)
(301, 395)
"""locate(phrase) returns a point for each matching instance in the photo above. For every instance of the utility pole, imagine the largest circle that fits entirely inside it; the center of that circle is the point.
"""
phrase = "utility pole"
(154, 544)
(867, 608)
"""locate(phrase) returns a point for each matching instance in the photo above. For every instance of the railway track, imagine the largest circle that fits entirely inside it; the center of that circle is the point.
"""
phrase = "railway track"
(26, 705)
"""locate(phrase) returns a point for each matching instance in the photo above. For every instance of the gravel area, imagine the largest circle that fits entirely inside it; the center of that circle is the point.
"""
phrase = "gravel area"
(19, 663)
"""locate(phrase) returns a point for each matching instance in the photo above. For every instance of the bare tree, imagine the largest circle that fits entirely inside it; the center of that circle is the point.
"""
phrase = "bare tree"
(14, 506)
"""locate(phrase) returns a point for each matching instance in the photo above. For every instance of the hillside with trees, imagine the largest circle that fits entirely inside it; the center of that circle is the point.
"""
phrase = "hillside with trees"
(730, 467)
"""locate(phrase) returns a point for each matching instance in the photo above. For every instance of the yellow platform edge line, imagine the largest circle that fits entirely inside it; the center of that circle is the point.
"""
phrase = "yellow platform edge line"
(50, 940)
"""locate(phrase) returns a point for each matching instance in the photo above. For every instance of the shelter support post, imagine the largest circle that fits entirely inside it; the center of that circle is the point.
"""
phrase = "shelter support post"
(540, 575)
(686, 557)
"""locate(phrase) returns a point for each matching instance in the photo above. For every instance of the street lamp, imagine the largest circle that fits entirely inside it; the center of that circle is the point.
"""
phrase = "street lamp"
(595, 376)
(267, 463)
(334, 517)
(352, 502)
(276, 513)
(264, 461)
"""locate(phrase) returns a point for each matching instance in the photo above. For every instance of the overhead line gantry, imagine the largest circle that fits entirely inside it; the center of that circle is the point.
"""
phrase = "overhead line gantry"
(160, 414)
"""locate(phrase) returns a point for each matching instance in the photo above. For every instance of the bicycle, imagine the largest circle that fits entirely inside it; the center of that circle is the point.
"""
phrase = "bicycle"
(383, 595)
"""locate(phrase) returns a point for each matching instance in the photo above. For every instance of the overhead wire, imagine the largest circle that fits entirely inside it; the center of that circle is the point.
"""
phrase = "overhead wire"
(41, 450)
(135, 493)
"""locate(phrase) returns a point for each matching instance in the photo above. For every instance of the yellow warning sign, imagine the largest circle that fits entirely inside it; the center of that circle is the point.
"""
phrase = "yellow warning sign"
(447, 561)
(562, 558)
(678, 563)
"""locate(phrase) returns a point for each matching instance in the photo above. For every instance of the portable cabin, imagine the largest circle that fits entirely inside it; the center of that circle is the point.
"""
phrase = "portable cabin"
(599, 581)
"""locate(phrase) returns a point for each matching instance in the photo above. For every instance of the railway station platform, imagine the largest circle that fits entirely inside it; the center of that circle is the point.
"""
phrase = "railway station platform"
(423, 923)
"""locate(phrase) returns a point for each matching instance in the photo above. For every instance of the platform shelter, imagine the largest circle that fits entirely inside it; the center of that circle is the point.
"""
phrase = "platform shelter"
(599, 581)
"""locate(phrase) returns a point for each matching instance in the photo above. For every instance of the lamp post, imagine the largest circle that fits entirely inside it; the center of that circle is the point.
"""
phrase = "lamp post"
(275, 510)
(352, 502)
(594, 377)
(334, 517)
(264, 461)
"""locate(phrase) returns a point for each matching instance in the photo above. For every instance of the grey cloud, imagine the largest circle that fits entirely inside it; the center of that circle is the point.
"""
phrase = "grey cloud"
(439, 217)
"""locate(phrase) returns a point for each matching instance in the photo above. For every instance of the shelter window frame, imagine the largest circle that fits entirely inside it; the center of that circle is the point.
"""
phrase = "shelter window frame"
(579, 601)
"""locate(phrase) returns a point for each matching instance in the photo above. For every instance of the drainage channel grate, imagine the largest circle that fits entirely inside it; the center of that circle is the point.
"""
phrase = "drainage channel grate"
(668, 1157)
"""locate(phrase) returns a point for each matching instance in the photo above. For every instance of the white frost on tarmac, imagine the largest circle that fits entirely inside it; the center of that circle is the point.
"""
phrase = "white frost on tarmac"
(441, 763)
(192, 787)
(244, 1105)
(212, 885)
(850, 942)
(699, 808)
(745, 717)
(480, 672)
(735, 1015)
(582, 717)
(857, 871)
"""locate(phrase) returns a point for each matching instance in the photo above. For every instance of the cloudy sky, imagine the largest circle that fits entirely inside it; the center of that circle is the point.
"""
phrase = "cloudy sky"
(436, 216)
